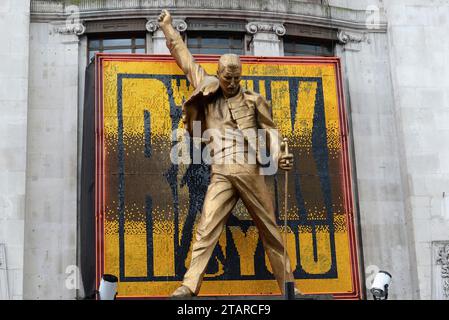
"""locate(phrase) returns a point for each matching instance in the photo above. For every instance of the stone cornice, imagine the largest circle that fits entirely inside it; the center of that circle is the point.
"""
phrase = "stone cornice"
(285, 11)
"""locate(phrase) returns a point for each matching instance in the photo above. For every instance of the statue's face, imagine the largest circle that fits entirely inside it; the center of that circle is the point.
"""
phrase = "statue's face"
(230, 80)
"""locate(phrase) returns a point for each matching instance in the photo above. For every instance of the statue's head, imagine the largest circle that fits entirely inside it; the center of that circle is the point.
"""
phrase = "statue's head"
(229, 72)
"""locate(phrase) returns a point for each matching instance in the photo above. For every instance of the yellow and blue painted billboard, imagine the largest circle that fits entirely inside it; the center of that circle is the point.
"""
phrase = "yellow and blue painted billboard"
(147, 207)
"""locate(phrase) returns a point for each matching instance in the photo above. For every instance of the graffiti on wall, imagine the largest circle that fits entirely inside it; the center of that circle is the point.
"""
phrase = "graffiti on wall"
(147, 207)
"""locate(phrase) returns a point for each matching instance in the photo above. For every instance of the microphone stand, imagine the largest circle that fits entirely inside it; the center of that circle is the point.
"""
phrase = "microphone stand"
(289, 286)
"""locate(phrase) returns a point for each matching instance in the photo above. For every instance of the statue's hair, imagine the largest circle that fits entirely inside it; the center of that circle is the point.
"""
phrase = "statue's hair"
(229, 60)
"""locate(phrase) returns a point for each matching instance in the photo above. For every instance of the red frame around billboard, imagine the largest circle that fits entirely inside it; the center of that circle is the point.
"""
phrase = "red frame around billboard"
(354, 239)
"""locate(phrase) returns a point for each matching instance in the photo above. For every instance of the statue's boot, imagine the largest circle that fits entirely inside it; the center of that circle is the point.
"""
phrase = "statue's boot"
(182, 292)
(297, 292)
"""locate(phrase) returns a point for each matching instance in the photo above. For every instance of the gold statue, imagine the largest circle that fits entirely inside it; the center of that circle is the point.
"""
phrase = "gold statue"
(220, 103)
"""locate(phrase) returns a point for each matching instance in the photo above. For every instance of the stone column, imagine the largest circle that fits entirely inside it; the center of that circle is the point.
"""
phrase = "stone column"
(265, 41)
(51, 186)
(377, 161)
(158, 38)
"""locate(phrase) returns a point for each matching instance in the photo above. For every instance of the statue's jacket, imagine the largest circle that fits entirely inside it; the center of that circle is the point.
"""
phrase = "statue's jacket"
(251, 115)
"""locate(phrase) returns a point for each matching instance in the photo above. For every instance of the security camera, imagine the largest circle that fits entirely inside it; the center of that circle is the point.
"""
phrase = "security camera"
(381, 282)
(108, 287)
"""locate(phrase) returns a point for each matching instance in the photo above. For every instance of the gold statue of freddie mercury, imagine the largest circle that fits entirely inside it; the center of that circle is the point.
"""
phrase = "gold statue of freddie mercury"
(220, 103)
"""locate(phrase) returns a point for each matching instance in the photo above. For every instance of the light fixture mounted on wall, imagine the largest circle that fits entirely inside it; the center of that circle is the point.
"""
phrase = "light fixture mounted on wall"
(108, 287)
(380, 286)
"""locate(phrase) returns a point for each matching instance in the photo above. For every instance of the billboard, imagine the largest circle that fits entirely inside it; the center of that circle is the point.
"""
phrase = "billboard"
(146, 207)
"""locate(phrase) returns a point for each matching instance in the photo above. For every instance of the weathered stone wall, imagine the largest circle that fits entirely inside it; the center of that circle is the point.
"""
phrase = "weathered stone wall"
(419, 66)
(14, 38)
(51, 216)
(383, 219)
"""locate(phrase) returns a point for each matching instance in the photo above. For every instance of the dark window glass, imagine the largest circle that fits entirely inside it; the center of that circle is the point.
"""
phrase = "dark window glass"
(93, 44)
(122, 50)
(215, 43)
(116, 44)
(140, 41)
(192, 42)
(307, 47)
(237, 43)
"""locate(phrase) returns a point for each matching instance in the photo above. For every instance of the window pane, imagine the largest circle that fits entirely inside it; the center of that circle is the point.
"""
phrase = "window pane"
(116, 42)
(236, 51)
(307, 47)
(214, 50)
(94, 44)
(289, 46)
(140, 41)
(123, 44)
(192, 42)
(237, 43)
(327, 50)
(215, 42)
(118, 50)
(301, 47)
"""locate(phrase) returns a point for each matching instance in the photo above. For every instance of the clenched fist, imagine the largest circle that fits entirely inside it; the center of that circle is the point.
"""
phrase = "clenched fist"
(165, 19)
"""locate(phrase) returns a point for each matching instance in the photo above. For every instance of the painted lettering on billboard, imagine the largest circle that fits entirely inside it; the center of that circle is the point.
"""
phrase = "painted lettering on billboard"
(148, 206)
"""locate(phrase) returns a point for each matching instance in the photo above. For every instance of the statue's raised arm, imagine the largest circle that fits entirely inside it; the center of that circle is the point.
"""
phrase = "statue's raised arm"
(178, 49)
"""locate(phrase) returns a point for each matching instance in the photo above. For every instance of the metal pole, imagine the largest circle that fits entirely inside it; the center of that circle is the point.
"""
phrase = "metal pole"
(289, 287)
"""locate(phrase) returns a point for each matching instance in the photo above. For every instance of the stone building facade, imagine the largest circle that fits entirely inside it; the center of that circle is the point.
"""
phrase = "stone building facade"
(394, 60)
